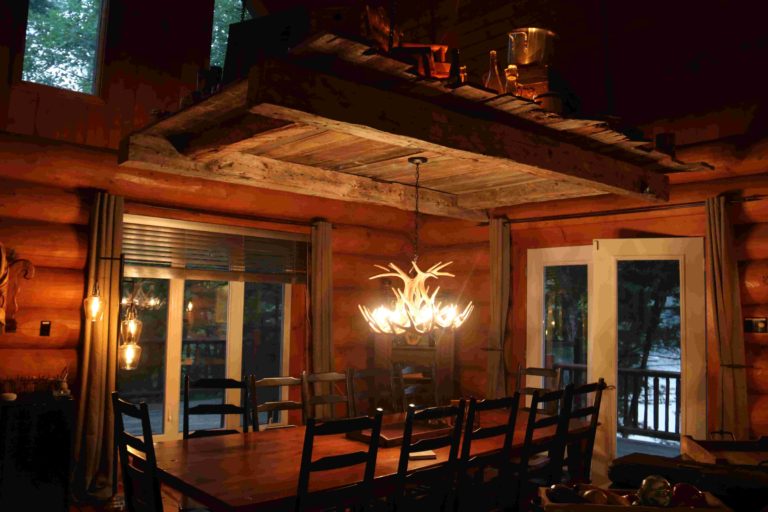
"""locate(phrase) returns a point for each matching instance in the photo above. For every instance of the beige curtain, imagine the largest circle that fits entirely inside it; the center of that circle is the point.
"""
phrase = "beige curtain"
(725, 315)
(94, 454)
(321, 297)
(499, 238)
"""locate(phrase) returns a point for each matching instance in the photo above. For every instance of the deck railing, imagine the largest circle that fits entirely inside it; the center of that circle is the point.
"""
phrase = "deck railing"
(648, 400)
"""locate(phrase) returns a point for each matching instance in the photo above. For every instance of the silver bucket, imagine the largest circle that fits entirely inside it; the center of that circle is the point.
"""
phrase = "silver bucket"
(529, 46)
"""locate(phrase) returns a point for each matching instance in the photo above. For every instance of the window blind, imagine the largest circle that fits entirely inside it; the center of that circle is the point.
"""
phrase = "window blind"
(195, 248)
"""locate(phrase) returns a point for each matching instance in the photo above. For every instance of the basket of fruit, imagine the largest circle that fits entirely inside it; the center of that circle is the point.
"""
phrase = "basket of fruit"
(654, 495)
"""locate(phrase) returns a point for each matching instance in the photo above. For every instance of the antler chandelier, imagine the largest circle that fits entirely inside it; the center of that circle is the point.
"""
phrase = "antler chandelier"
(415, 310)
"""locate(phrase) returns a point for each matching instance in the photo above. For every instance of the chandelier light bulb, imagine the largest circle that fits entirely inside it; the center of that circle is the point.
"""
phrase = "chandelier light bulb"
(129, 355)
(416, 310)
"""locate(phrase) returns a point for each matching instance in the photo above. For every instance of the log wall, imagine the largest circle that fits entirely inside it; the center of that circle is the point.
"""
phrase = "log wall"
(44, 218)
(466, 243)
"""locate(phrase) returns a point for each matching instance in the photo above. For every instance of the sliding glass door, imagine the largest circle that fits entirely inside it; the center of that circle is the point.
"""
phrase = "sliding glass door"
(202, 328)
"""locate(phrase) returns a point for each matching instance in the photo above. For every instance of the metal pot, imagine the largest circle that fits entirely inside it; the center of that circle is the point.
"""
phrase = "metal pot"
(529, 46)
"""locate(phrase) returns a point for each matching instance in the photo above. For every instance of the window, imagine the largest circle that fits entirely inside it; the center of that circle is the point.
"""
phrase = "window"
(215, 302)
(225, 12)
(62, 43)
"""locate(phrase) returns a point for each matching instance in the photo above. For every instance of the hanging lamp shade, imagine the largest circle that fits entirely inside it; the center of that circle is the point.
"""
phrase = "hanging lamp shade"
(129, 352)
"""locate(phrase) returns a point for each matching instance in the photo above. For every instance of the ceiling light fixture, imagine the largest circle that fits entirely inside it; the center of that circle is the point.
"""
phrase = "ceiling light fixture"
(415, 310)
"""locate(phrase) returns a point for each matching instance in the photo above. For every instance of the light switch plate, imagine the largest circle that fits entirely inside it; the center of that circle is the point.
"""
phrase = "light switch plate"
(758, 325)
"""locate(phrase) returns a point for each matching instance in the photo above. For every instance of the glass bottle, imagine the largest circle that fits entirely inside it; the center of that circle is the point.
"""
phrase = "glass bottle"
(492, 79)
(511, 74)
(454, 74)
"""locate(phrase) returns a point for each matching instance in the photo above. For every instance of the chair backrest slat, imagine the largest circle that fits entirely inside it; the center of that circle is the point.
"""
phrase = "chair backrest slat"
(416, 384)
(222, 409)
(506, 429)
(326, 399)
(354, 495)
(455, 415)
(339, 461)
(273, 406)
(581, 444)
(552, 380)
(560, 401)
(377, 390)
(138, 466)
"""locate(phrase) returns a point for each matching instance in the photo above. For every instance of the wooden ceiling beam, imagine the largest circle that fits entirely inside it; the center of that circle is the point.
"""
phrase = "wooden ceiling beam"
(367, 103)
(531, 192)
(158, 154)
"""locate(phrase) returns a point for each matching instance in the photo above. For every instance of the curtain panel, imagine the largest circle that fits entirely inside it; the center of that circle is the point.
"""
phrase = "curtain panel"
(725, 317)
(94, 434)
(499, 254)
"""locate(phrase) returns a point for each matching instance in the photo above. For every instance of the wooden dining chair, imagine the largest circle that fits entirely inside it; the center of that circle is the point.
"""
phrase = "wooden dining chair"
(328, 396)
(371, 388)
(473, 488)
(543, 453)
(429, 488)
(222, 409)
(272, 408)
(138, 467)
(350, 496)
(581, 442)
(416, 384)
(552, 381)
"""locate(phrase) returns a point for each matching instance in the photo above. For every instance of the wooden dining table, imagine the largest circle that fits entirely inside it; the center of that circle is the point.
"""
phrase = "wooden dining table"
(259, 470)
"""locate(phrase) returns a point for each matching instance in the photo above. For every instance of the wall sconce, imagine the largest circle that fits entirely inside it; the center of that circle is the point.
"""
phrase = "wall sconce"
(129, 352)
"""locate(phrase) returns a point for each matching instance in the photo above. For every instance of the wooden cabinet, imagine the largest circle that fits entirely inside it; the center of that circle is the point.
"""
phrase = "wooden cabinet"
(35, 454)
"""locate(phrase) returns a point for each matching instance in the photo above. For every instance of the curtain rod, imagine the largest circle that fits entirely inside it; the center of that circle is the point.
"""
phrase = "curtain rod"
(639, 209)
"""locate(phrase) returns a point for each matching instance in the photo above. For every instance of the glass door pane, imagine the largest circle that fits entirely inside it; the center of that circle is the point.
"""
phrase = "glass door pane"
(204, 345)
(263, 337)
(565, 321)
(648, 356)
(147, 382)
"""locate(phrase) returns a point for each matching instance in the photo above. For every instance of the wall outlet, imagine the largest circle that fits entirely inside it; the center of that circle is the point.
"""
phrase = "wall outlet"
(45, 328)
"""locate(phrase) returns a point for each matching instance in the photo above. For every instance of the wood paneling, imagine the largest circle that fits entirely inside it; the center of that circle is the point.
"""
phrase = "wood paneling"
(31, 362)
(53, 288)
(48, 226)
(53, 245)
(21, 200)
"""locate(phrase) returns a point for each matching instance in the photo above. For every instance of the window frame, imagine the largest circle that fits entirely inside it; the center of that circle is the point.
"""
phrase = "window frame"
(235, 316)
(18, 55)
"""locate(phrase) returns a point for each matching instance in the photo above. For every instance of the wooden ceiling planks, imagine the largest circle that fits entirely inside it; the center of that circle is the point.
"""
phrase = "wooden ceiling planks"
(335, 112)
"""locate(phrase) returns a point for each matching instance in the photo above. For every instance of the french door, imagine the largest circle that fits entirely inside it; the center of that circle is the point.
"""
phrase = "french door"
(600, 310)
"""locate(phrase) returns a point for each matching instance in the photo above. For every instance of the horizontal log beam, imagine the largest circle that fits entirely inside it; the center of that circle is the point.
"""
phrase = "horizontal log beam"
(158, 154)
(531, 192)
(366, 103)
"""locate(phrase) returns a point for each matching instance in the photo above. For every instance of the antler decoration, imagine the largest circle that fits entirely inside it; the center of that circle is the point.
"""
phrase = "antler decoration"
(416, 310)
(11, 273)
